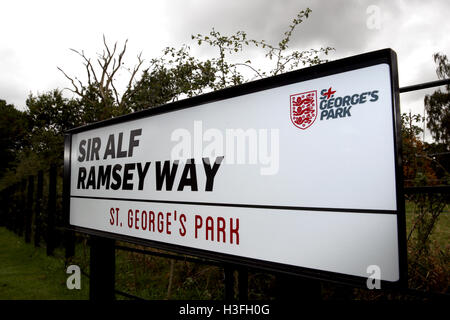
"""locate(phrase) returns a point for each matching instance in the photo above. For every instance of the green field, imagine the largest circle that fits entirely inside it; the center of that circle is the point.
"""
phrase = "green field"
(26, 273)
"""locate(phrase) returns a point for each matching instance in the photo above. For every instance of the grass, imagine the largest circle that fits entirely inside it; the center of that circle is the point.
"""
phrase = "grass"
(27, 273)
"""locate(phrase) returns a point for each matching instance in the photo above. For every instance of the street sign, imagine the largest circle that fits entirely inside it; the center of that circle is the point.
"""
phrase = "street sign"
(298, 173)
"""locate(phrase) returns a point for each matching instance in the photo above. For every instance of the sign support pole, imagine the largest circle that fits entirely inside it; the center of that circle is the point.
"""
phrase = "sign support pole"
(229, 282)
(296, 288)
(102, 269)
(243, 283)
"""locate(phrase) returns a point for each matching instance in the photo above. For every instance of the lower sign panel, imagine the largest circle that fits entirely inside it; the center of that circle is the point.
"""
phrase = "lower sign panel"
(340, 242)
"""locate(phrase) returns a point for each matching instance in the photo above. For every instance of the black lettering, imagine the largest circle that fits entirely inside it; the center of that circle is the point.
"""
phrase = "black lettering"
(120, 153)
(88, 150)
(81, 177)
(133, 142)
(91, 178)
(362, 97)
(127, 176)
(346, 101)
(142, 173)
(330, 103)
(110, 148)
(355, 99)
(96, 142)
(189, 170)
(211, 172)
(374, 96)
(116, 176)
(167, 174)
(104, 176)
(82, 155)
(331, 114)
(347, 112)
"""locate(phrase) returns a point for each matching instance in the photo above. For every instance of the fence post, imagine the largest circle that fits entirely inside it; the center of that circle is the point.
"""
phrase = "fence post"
(22, 208)
(51, 211)
(3, 208)
(15, 208)
(29, 209)
(102, 269)
(38, 208)
(11, 212)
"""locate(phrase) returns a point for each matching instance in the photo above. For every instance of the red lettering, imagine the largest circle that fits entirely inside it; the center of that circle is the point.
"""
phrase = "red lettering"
(111, 220)
(144, 220)
(136, 220)
(210, 228)
(221, 229)
(117, 216)
(234, 231)
(130, 218)
(168, 223)
(182, 230)
(198, 224)
(151, 221)
(160, 222)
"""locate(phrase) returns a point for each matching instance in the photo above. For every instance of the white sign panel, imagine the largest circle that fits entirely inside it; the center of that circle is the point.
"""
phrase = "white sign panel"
(302, 174)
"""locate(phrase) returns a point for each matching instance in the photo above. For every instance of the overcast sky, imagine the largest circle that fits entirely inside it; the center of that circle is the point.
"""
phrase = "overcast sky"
(36, 35)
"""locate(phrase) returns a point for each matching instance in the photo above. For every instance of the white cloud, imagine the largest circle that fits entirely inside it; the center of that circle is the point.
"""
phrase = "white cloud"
(36, 35)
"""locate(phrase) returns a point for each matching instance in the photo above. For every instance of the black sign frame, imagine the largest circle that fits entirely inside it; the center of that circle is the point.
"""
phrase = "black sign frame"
(386, 56)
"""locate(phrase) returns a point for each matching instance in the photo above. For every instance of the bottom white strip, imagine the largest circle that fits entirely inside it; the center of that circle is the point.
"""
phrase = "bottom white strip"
(339, 242)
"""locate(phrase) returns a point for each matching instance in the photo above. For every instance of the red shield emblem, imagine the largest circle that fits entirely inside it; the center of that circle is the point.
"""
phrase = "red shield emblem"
(304, 109)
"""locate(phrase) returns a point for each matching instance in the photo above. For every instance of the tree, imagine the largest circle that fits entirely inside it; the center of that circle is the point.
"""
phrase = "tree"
(417, 166)
(169, 77)
(100, 98)
(279, 55)
(50, 115)
(13, 135)
(177, 74)
(437, 105)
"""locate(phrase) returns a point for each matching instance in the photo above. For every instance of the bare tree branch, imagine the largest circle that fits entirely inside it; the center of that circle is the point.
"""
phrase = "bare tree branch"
(251, 67)
(76, 90)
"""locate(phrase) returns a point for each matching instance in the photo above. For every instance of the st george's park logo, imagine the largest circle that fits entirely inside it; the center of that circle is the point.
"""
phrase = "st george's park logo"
(305, 108)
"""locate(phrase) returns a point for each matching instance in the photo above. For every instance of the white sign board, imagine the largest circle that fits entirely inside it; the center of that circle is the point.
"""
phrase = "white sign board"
(300, 175)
